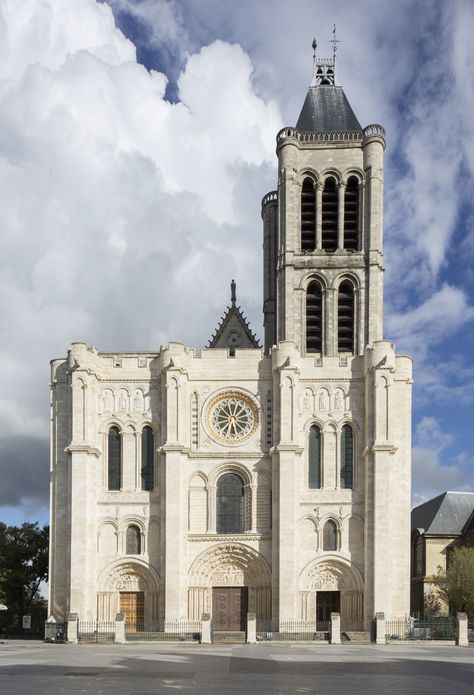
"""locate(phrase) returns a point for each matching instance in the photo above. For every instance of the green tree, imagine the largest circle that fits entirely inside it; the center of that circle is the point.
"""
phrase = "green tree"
(456, 585)
(23, 565)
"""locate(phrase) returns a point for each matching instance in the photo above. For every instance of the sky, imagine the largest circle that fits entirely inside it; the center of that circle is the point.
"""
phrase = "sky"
(137, 138)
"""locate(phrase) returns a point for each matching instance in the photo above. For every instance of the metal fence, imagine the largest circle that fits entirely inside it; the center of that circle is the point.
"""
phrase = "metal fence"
(96, 632)
(421, 629)
(177, 631)
(293, 631)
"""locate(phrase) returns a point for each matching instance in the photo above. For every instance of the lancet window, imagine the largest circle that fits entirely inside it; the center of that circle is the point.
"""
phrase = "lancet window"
(330, 206)
(308, 215)
(133, 540)
(148, 459)
(330, 535)
(314, 458)
(230, 504)
(114, 477)
(345, 317)
(314, 318)
(347, 457)
(351, 215)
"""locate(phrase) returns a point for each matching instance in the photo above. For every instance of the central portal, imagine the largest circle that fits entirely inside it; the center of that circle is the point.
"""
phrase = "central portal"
(229, 608)
(327, 602)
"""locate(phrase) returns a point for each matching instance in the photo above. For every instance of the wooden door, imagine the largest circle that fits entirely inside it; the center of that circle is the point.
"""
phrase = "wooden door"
(132, 606)
(229, 608)
(327, 602)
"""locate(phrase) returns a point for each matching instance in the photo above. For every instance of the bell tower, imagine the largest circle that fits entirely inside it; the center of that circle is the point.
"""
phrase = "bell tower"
(323, 269)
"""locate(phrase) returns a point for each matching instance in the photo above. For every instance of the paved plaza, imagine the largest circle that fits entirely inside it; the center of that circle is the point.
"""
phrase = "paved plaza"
(34, 668)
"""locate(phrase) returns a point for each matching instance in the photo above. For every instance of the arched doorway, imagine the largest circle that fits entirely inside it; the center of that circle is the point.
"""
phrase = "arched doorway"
(332, 585)
(227, 581)
(130, 588)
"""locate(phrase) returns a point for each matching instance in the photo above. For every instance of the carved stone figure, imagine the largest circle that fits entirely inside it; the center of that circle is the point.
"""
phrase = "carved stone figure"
(138, 402)
(108, 402)
(122, 402)
(338, 405)
(323, 402)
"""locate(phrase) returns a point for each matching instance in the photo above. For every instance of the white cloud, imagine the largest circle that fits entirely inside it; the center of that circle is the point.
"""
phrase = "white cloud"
(121, 223)
(430, 476)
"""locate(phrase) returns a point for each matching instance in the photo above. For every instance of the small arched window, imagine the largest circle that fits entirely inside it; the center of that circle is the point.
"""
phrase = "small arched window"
(134, 540)
(148, 459)
(114, 468)
(314, 458)
(314, 318)
(351, 215)
(308, 216)
(345, 317)
(330, 535)
(230, 504)
(330, 206)
(418, 557)
(347, 457)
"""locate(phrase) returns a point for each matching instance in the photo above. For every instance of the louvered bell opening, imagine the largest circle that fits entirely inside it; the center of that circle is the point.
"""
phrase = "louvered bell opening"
(329, 215)
(345, 320)
(314, 332)
(308, 216)
(351, 215)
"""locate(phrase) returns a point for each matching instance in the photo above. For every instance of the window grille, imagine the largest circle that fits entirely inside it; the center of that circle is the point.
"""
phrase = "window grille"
(330, 536)
(419, 557)
(351, 215)
(314, 316)
(308, 216)
(330, 206)
(347, 457)
(345, 317)
(314, 458)
(148, 459)
(230, 504)
(134, 545)
(114, 459)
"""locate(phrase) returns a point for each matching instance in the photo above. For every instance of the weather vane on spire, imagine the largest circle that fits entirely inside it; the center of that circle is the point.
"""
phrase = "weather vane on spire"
(334, 42)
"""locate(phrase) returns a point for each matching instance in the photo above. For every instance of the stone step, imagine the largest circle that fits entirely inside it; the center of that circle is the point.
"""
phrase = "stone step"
(360, 636)
(225, 637)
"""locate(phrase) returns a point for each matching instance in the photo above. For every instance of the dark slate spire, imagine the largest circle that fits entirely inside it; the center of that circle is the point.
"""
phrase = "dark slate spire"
(233, 330)
(326, 109)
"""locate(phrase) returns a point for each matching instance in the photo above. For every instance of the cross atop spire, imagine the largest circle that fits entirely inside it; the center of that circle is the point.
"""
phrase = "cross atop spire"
(324, 69)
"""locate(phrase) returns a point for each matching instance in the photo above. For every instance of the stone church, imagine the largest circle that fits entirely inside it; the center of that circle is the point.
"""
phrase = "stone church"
(273, 480)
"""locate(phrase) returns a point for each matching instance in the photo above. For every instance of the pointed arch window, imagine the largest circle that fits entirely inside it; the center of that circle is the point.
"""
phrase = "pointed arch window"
(314, 458)
(347, 457)
(308, 215)
(230, 504)
(314, 318)
(351, 215)
(345, 317)
(148, 459)
(330, 535)
(330, 207)
(114, 463)
(133, 541)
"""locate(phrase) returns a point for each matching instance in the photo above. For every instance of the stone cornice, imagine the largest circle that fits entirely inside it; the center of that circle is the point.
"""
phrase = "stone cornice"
(76, 448)
(219, 538)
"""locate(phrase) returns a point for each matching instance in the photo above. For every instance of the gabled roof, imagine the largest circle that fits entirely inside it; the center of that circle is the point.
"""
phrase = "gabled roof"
(233, 330)
(448, 514)
(327, 110)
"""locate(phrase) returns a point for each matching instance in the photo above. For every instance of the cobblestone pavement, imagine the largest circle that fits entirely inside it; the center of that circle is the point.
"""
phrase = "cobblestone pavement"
(34, 668)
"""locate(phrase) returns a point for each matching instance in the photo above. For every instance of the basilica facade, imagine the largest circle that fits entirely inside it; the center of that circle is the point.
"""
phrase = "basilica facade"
(273, 480)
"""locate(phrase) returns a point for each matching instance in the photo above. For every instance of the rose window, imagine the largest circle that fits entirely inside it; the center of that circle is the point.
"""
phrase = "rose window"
(232, 418)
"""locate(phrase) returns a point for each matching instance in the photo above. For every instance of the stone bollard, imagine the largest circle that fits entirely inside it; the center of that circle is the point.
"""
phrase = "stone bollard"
(119, 629)
(380, 628)
(462, 638)
(251, 628)
(206, 629)
(335, 637)
(72, 628)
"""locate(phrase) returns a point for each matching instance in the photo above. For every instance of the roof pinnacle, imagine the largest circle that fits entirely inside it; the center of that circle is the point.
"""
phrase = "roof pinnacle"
(233, 296)
(324, 69)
